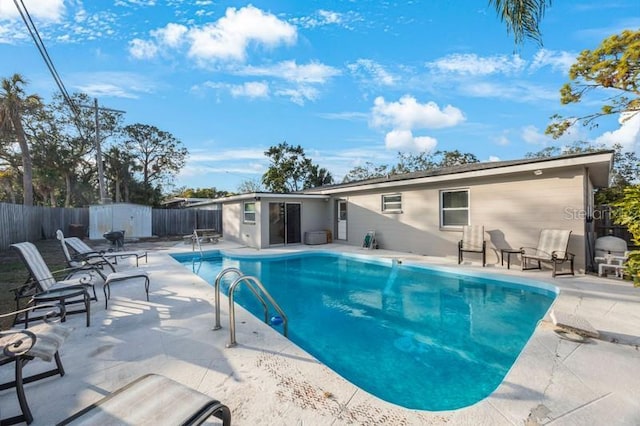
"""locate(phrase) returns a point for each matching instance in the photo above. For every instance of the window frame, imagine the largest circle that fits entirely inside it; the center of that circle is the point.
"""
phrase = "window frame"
(384, 204)
(442, 209)
(245, 212)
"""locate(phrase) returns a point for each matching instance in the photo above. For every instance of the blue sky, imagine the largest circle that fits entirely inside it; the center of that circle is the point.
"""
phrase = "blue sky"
(349, 81)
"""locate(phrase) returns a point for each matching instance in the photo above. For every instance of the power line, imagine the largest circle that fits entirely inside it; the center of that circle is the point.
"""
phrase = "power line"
(35, 35)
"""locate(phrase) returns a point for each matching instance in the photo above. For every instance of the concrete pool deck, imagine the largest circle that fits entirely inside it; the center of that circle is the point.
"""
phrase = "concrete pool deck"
(268, 380)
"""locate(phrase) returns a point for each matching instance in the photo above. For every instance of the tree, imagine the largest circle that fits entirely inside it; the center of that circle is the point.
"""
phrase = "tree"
(318, 176)
(367, 171)
(627, 213)
(454, 158)
(289, 168)
(615, 67)
(250, 185)
(13, 104)
(522, 17)
(157, 153)
(201, 193)
(119, 169)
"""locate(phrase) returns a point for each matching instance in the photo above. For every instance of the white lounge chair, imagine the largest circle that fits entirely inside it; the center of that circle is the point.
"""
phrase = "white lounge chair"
(472, 242)
(552, 247)
(86, 253)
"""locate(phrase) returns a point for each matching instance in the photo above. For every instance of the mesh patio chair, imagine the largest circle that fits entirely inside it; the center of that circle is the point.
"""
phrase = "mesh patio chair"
(552, 247)
(89, 262)
(42, 279)
(85, 252)
(152, 399)
(472, 242)
(19, 347)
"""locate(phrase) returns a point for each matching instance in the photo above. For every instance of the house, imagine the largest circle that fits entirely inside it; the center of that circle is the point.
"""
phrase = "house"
(424, 212)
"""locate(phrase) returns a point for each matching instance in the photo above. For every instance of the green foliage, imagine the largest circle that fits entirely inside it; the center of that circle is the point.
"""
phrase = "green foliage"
(627, 213)
(250, 185)
(318, 176)
(409, 163)
(613, 66)
(201, 193)
(366, 171)
(522, 17)
(290, 170)
(156, 153)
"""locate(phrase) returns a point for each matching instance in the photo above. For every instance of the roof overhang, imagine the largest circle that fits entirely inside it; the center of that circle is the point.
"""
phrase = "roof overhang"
(599, 166)
(256, 196)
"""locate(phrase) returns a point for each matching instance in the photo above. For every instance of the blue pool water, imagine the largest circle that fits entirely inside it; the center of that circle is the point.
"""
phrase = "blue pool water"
(420, 338)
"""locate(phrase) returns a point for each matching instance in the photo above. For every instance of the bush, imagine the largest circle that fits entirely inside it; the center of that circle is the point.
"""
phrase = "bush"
(627, 213)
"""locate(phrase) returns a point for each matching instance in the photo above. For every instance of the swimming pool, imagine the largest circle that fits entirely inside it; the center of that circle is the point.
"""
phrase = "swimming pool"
(421, 338)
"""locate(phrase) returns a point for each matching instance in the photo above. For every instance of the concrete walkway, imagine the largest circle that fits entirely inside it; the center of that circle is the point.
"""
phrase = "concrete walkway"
(558, 379)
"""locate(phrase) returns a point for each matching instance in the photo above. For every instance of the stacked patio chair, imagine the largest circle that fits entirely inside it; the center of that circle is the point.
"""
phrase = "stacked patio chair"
(552, 247)
(20, 347)
(472, 242)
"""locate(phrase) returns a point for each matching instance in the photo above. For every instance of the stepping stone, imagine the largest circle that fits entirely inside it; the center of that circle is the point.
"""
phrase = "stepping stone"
(574, 323)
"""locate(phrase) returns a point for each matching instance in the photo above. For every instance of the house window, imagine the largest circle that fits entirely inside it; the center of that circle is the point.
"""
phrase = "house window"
(454, 208)
(392, 203)
(250, 212)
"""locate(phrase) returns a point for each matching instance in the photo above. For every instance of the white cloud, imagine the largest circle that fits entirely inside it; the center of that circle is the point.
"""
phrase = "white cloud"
(557, 60)
(472, 64)
(627, 135)
(404, 140)
(100, 90)
(112, 84)
(494, 158)
(225, 40)
(171, 36)
(373, 71)
(142, 49)
(46, 10)
(532, 135)
(503, 139)
(252, 89)
(228, 38)
(322, 18)
(518, 91)
(226, 155)
(407, 114)
(313, 72)
(300, 94)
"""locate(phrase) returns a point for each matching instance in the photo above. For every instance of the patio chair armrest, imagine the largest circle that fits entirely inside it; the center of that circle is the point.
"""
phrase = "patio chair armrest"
(25, 290)
(529, 250)
(55, 311)
(66, 273)
(18, 346)
(562, 255)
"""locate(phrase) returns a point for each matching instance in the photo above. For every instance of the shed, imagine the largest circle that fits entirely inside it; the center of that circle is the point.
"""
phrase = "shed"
(134, 219)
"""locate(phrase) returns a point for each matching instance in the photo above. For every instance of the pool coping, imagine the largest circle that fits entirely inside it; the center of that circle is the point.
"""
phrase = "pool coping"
(268, 379)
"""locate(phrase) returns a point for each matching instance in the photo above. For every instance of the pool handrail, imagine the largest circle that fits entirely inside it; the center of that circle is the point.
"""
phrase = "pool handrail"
(216, 287)
(249, 280)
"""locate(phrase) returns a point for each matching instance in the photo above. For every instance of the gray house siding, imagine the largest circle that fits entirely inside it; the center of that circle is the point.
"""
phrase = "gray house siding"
(512, 212)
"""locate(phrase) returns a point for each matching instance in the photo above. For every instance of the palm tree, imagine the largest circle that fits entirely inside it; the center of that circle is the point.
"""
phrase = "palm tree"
(522, 17)
(13, 103)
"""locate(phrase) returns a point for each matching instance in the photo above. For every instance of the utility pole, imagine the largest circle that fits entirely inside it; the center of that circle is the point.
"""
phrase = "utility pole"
(101, 185)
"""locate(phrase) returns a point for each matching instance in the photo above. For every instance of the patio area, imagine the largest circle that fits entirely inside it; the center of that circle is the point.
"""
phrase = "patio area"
(267, 379)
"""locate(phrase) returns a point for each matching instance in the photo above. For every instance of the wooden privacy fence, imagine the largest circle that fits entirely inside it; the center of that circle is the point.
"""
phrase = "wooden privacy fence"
(32, 223)
(166, 222)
